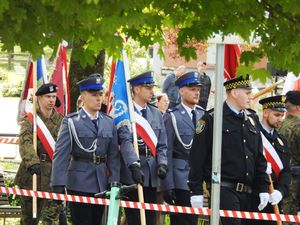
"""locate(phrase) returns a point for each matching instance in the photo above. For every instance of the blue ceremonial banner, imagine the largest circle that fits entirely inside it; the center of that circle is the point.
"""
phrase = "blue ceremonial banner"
(120, 111)
(41, 73)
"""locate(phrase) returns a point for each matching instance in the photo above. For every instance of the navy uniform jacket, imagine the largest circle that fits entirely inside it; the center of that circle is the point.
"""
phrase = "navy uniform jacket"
(178, 155)
(242, 152)
(280, 145)
(86, 176)
(149, 164)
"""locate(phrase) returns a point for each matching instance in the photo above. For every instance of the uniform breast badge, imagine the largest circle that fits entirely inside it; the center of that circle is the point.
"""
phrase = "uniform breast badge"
(200, 126)
(280, 141)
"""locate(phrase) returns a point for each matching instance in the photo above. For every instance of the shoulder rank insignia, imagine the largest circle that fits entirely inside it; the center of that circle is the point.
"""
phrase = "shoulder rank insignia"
(200, 126)
(280, 141)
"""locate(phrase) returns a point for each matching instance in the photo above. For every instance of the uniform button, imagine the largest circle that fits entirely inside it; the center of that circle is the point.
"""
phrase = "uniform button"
(244, 140)
(243, 125)
(247, 157)
(247, 174)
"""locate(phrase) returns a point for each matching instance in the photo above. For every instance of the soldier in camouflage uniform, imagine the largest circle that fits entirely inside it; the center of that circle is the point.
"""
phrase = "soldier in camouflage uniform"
(39, 163)
(290, 129)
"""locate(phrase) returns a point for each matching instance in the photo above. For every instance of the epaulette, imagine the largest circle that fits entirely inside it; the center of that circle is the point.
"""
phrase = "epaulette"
(174, 108)
(72, 114)
(211, 111)
(104, 114)
(199, 107)
(149, 104)
(250, 111)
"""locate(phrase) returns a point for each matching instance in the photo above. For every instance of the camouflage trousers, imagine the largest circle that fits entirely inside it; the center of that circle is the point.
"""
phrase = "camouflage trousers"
(47, 211)
(292, 201)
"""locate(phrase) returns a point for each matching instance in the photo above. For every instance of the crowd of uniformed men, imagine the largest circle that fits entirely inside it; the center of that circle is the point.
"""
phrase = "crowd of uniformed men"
(91, 152)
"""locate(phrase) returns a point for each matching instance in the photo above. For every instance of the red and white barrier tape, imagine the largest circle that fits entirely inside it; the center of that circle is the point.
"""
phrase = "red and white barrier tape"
(9, 140)
(149, 206)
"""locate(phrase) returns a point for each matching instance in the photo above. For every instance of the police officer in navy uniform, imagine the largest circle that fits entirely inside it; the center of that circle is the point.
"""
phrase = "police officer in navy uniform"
(86, 158)
(242, 164)
(273, 114)
(180, 124)
(154, 168)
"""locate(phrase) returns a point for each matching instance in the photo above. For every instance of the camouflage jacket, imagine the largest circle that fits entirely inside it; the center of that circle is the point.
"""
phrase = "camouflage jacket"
(30, 157)
(290, 129)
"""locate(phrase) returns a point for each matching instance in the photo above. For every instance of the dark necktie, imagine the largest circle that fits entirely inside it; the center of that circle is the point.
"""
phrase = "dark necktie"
(95, 122)
(144, 113)
(240, 115)
(194, 118)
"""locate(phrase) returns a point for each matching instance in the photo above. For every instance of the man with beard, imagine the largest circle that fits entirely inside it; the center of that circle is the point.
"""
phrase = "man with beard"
(276, 153)
(180, 124)
(242, 164)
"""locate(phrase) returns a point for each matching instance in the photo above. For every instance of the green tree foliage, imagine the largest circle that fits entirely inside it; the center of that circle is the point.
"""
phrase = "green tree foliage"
(35, 24)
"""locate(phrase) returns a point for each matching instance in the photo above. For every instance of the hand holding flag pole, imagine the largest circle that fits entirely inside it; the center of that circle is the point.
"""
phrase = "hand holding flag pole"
(34, 178)
(133, 123)
(271, 186)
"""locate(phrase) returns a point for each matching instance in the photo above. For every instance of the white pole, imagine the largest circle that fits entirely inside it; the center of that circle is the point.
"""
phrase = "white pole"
(217, 137)
(132, 119)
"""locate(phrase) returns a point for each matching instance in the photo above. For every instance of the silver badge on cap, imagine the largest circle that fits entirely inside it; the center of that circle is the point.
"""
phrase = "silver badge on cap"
(98, 81)
(51, 88)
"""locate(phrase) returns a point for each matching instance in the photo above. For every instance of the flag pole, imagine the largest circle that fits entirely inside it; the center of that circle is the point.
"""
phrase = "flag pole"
(34, 178)
(271, 190)
(275, 207)
(267, 89)
(134, 132)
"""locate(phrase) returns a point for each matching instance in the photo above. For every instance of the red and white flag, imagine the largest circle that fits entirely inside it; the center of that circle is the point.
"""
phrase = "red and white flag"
(272, 156)
(60, 78)
(292, 83)
(232, 56)
(146, 132)
(110, 93)
(43, 133)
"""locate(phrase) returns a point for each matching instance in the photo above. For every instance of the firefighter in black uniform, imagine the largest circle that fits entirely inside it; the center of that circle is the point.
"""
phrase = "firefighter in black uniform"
(242, 164)
(277, 157)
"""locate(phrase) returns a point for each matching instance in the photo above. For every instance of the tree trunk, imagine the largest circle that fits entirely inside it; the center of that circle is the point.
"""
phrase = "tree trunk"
(78, 73)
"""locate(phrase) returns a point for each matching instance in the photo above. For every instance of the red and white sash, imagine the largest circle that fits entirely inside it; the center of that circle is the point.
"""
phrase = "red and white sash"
(272, 156)
(146, 132)
(43, 133)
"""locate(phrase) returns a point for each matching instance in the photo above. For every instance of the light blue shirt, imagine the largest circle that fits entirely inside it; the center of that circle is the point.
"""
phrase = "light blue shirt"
(266, 129)
(234, 109)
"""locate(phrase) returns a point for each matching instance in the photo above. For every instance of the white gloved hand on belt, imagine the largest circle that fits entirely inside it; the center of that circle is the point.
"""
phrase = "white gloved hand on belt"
(197, 201)
(275, 197)
(264, 199)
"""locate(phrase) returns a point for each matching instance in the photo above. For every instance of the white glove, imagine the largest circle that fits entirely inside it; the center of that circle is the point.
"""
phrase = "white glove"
(197, 201)
(269, 168)
(264, 199)
(275, 197)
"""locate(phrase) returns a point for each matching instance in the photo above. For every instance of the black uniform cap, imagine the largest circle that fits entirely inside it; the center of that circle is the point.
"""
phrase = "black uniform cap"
(145, 79)
(274, 102)
(189, 79)
(46, 89)
(94, 82)
(293, 97)
(238, 82)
